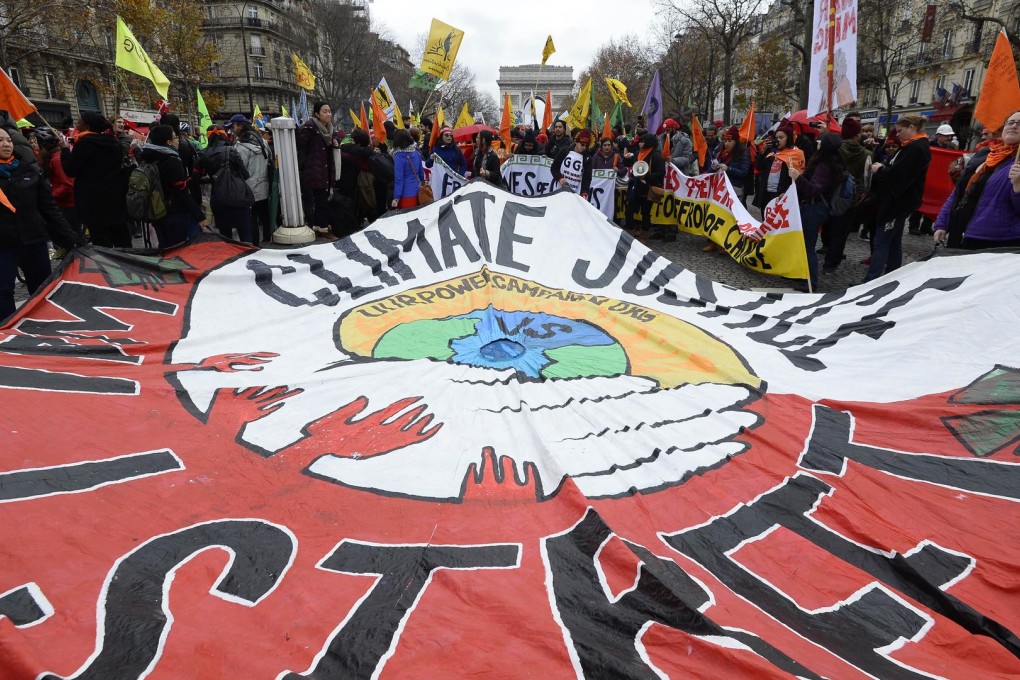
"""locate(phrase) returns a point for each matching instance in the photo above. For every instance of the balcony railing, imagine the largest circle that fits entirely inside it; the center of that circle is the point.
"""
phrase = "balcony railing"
(257, 51)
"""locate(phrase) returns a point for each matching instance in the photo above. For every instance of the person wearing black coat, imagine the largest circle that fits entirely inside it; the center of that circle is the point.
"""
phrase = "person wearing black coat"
(315, 143)
(899, 185)
(485, 164)
(24, 231)
(96, 162)
(184, 218)
(638, 190)
(558, 139)
(186, 150)
(211, 160)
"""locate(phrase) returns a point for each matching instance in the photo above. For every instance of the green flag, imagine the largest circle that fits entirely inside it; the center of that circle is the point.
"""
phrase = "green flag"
(204, 120)
(595, 117)
(423, 81)
(616, 116)
(131, 57)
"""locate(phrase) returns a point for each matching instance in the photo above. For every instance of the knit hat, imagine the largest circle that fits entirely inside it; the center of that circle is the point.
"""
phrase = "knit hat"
(237, 118)
(787, 127)
(670, 124)
(446, 128)
(851, 128)
(893, 137)
(584, 136)
(542, 138)
(718, 124)
(945, 129)
(732, 132)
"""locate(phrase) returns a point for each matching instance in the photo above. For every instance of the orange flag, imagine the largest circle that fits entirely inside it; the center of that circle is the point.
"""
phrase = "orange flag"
(364, 118)
(667, 147)
(505, 122)
(607, 131)
(747, 127)
(434, 135)
(547, 115)
(1000, 93)
(11, 99)
(698, 138)
(378, 118)
(6, 202)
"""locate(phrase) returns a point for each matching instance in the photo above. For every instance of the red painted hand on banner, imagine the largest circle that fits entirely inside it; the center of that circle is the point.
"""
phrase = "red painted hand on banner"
(232, 363)
(494, 479)
(232, 409)
(339, 434)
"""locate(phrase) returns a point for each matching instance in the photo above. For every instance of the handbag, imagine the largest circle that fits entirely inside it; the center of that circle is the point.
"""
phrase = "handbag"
(425, 195)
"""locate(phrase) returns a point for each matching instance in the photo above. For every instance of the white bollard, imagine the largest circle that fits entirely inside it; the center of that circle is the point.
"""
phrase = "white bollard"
(294, 230)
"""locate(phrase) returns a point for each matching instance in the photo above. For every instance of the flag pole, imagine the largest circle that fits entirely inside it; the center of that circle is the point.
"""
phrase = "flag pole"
(831, 35)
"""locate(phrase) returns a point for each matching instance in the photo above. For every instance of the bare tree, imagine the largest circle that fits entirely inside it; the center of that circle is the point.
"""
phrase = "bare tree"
(726, 23)
(347, 58)
(981, 13)
(763, 69)
(625, 59)
(687, 69)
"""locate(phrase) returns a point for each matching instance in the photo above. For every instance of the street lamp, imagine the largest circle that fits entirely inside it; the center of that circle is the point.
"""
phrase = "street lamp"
(244, 48)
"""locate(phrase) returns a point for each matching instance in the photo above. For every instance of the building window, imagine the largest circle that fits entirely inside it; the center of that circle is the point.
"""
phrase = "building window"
(257, 49)
(975, 38)
(253, 12)
(895, 92)
(968, 81)
(51, 86)
(915, 90)
(947, 44)
(15, 75)
(940, 83)
(258, 72)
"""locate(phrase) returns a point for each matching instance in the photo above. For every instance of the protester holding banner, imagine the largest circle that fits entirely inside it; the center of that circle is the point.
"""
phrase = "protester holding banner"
(733, 160)
(984, 209)
(100, 186)
(408, 173)
(900, 184)
(823, 175)
(529, 145)
(315, 165)
(448, 150)
(28, 218)
(572, 166)
(486, 163)
(640, 188)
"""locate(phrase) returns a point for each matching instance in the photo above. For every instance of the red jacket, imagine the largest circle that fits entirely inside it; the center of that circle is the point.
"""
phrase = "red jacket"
(63, 186)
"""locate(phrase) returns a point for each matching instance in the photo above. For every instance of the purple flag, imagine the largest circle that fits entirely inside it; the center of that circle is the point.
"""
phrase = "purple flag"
(653, 105)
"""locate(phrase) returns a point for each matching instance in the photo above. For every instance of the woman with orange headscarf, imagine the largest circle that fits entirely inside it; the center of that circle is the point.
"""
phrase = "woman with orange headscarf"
(984, 209)
(775, 164)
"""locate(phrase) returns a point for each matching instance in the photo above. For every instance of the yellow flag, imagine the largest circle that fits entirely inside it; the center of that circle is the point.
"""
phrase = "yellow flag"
(441, 49)
(465, 117)
(131, 57)
(398, 119)
(440, 118)
(578, 116)
(305, 77)
(618, 91)
(547, 50)
(354, 117)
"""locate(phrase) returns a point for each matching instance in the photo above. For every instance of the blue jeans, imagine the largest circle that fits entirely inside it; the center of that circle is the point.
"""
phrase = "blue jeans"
(812, 217)
(886, 248)
(175, 229)
(34, 260)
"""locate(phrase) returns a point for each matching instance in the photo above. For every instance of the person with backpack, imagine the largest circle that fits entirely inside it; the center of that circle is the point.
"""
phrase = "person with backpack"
(96, 163)
(180, 218)
(823, 175)
(231, 197)
(858, 164)
(28, 219)
(258, 161)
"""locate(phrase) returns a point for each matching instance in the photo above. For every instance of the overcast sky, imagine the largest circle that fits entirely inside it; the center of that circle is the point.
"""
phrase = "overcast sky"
(513, 33)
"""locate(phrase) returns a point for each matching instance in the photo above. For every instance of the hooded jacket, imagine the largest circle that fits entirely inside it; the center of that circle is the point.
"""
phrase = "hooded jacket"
(258, 159)
(451, 155)
(856, 158)
(37, 218)
(100, 180)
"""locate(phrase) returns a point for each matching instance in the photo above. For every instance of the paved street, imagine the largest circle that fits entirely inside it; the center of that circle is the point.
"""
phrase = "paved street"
(718, 266)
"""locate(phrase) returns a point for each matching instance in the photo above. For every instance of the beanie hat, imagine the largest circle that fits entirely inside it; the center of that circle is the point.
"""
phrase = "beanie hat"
(670, 124)
(945, 129)
(851, 128)
(718, 124)
(446, 128)
(584, 136)
(237, 118)
(732, 132)
(893, 137)
(791, 132)
(542, 138)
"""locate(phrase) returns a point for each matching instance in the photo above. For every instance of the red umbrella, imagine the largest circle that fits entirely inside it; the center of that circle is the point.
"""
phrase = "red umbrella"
(805, 122)
(468, 132)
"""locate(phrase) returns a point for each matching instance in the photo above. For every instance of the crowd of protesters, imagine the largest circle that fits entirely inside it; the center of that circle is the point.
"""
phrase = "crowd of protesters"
(74, 186)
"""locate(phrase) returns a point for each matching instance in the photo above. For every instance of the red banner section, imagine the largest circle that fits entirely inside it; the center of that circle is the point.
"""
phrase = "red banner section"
(429, 457)
(937, 184)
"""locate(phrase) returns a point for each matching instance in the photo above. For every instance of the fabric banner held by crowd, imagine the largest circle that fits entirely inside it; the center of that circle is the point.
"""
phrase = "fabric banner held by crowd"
(937, 184)
(500, 419)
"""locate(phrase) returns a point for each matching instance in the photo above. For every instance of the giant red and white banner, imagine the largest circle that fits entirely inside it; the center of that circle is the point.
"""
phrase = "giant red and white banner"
(843, 34)
(497, 437)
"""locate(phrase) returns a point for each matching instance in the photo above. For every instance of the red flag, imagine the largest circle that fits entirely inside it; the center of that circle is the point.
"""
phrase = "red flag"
(547, 116)
(698, 138)
(747, 127)
(364, 118)
(11, 99)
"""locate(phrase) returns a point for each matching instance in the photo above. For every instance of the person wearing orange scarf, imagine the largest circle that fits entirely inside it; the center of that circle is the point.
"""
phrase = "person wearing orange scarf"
(897, 185)
(639, 187)
(774, 166)
(983, 211)
(28, 219)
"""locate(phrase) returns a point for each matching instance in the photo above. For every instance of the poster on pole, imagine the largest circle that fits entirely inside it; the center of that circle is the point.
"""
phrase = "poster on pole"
(844, 56)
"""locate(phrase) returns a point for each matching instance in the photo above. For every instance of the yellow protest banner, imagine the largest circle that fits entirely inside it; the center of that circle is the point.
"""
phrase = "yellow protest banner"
(131, 57)
(304, 75)
(441, 49)
(578, 116)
